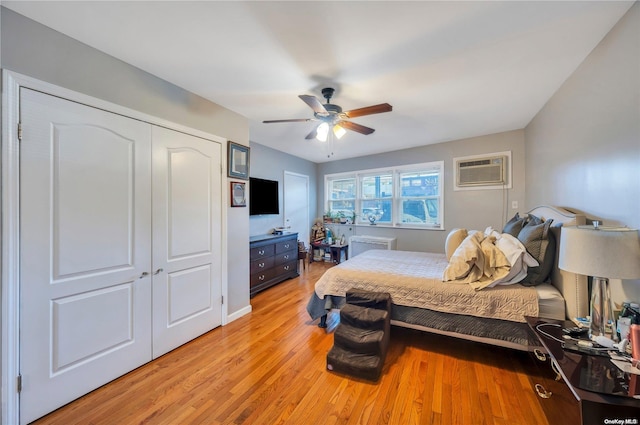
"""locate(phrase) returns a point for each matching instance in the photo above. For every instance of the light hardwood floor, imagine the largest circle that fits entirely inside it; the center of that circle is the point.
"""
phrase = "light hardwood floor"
(269, 367)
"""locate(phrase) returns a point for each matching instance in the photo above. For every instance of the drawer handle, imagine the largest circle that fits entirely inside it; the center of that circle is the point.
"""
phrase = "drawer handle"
(261, 252)
(261, 277)
(540, 355)
(554, 366)
(286, 245)
(286, 257)
(261, 265)
(542, 392)
(286, 267)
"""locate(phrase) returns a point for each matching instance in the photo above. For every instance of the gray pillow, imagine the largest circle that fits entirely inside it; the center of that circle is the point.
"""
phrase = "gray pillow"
(541, 244)
(533, 220)
(514, 226)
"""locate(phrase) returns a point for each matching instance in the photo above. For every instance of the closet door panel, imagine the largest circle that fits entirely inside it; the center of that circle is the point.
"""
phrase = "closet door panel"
(93, 170)
(85, 182)
(186, 238)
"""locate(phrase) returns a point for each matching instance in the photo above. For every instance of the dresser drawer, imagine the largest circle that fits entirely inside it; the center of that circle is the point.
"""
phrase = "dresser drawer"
(285, 257)
(262, 277)
(262, 264)
(291, 266)
(261, 252)
(286, 245)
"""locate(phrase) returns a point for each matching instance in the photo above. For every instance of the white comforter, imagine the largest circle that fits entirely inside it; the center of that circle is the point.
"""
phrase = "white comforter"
(414, 279)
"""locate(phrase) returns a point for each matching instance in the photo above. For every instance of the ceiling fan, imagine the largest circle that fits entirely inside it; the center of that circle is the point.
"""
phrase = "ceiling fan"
(332, 117)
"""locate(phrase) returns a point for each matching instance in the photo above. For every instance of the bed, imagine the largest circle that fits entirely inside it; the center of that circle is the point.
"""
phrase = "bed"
(491, 313)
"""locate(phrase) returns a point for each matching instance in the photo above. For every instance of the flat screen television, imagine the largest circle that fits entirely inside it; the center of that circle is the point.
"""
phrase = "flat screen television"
(263, 197)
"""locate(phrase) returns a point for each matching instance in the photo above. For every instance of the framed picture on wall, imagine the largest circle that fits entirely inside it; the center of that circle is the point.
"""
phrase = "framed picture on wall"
(238, 161)
(238, 194)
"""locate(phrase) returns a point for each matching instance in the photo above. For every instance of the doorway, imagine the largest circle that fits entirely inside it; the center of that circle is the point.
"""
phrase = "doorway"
(296, 205)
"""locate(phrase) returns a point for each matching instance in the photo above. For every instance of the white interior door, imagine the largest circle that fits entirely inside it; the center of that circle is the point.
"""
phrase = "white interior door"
(296, 205)
(187, 281)
(85, 232)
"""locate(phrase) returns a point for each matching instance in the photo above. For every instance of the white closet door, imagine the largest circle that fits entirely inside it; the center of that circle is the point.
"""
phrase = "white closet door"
(187, 263)
(85, 182)
(296, 205)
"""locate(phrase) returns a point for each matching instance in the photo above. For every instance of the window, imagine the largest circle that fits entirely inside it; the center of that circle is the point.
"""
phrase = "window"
(376, 198)
(407, 196)
(419, 197)
(342, 196)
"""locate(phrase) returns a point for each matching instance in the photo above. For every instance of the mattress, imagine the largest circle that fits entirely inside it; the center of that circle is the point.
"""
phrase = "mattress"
(550, 302)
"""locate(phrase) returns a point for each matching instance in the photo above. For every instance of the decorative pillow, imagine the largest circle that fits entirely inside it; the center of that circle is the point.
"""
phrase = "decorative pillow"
(533, 220)
(541, 244)
(454, 239)
(514, 226)
(467, 258)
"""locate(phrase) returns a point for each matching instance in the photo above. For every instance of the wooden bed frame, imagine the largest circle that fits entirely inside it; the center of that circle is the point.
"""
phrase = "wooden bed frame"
(573, 287)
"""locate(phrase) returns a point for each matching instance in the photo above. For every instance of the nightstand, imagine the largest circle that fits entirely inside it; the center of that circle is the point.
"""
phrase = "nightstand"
(603, 394)
(336, 251)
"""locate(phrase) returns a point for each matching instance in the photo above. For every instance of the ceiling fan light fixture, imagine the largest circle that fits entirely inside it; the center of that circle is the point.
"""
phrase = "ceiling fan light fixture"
(322, 132)
(333, 118)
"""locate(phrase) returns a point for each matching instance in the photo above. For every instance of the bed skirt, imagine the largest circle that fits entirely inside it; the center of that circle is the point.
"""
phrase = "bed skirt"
(504, 333)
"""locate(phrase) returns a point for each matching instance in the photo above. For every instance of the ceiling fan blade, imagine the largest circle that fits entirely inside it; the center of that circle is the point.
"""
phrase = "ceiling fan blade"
(369, 110)
(356, 127)
(313, 133)
(314, 103)
(292, 120)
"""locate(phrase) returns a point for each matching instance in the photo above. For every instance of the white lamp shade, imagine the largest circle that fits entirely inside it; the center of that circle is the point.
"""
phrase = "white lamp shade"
(322, 132)
(612, 253)
(339, 131)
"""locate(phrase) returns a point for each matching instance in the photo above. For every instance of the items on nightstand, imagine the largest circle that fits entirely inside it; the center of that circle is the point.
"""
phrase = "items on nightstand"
(603, 253)
(634, 337)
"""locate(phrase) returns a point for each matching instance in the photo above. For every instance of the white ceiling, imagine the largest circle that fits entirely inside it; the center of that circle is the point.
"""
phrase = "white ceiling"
(449, 69)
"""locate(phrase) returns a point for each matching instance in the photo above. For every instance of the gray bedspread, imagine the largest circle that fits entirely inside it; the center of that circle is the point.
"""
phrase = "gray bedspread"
(499, 330)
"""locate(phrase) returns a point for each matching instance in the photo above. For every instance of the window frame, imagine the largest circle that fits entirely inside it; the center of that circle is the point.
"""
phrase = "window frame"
(396, 198)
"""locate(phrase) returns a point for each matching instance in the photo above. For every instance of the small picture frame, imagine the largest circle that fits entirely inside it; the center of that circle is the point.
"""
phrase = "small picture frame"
(238, 161)
(238, 194)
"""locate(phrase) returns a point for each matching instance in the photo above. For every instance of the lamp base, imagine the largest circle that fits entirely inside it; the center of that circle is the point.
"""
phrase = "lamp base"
(603, 324)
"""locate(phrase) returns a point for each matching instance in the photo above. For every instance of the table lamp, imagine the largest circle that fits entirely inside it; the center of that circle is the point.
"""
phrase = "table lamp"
(603, 253)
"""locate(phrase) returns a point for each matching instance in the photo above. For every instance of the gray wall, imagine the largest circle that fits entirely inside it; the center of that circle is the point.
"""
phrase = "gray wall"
(32, 49)
(474, 209)
(267, 163)
(582, 150)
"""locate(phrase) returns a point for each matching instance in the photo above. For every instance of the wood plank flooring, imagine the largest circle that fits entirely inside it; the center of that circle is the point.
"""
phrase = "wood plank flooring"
(269, 367)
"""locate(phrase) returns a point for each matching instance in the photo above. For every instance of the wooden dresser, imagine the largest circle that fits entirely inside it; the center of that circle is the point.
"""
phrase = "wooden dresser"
(274, 258)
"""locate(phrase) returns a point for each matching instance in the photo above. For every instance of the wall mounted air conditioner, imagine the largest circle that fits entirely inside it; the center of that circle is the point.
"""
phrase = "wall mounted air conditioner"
(487, 171)
(360, 244)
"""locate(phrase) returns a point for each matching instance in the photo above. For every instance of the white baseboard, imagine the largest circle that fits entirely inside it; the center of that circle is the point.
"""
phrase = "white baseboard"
(238, 314)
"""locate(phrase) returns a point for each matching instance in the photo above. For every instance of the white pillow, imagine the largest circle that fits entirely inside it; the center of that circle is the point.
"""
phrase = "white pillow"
(517, 256)
(467, 259)
(454, 239)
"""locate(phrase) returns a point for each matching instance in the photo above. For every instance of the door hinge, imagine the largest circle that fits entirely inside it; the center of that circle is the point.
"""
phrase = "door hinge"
(19, 383)
(20, 131)
(221, 300)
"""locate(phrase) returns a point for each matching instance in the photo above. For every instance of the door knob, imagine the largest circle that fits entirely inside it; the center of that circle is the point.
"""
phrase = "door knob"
(143, 275)
(158, 271)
